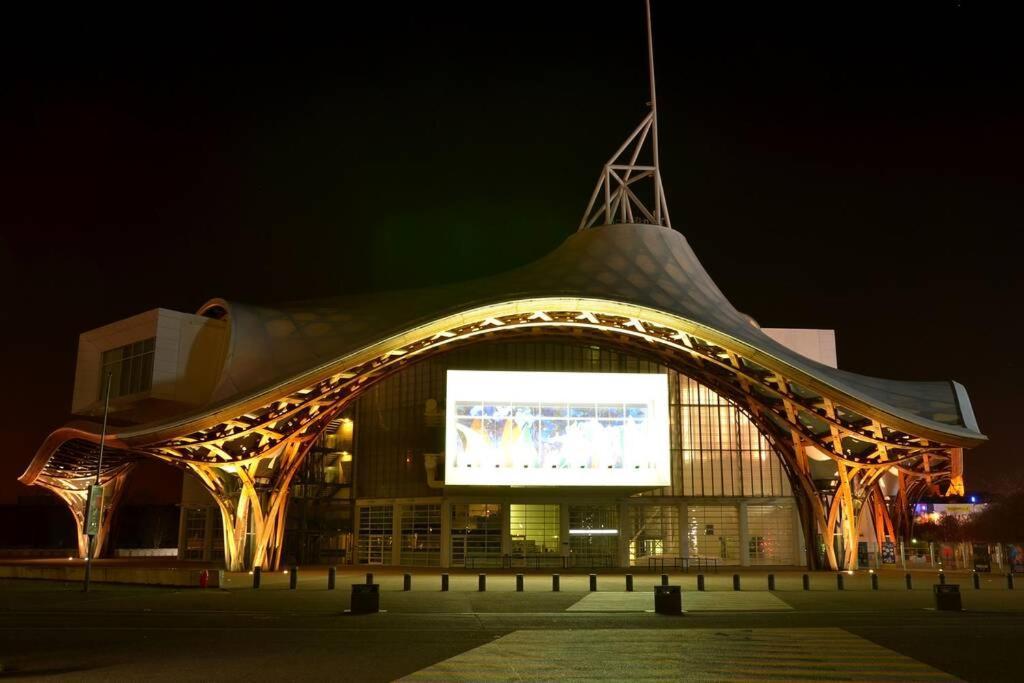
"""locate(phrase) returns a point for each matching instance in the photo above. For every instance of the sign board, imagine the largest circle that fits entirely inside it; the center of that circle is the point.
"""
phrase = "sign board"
(94, 511)
(556, 429)
(888, 552)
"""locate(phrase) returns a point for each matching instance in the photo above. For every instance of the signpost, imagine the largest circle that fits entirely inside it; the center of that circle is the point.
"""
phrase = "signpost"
(94, 506)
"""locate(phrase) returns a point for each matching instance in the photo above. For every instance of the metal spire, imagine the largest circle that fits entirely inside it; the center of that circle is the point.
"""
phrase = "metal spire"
(617, 185)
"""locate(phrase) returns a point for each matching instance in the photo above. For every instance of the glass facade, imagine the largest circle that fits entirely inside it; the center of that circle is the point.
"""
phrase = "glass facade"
(653, 532)
(476, 535)
(130, 368)
(593, 535)
(720, 452)
(375, 534)
(729, 498)
(421, 535)
(535, 532)
(770, 532)
(714, 532)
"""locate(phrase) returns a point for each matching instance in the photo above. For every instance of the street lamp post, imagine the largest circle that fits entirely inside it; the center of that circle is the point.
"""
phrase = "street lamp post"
(94, 507)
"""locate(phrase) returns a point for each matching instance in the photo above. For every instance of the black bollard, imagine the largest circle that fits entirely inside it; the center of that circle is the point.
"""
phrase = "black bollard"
(407, 582)
(629, 583)
(807, 582)
(976, 580)
(593, 582)
(771, 582)
(257, 573)
(444, 582)
(874, 582)
(910, 582)
(942, 578)
(332, 575)
(555, 582)
(700, 582)
(519, 583)
(481, 582)
(369, 578)
(1009, 581)
(839, 582)
(293, 578)
(735, 582)
(664, 579)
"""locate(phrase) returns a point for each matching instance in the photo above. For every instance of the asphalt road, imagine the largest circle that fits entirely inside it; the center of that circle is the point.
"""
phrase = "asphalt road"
(54, 631)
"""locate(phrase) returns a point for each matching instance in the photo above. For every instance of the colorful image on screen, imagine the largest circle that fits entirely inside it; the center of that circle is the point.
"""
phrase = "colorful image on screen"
(546, 428)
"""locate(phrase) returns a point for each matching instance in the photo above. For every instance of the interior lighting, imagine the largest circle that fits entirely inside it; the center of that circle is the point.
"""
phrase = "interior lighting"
(593, 532)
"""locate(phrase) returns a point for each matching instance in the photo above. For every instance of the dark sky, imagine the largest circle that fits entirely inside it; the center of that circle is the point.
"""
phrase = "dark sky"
(855, 169)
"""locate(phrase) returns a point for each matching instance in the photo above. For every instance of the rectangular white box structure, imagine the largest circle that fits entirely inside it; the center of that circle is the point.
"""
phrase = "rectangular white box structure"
(556, 429)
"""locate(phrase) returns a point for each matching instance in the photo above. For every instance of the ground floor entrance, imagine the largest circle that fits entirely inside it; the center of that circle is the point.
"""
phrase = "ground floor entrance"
(653, 534)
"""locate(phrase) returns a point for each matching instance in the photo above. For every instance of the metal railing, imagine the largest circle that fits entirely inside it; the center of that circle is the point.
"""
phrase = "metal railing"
(700, 563)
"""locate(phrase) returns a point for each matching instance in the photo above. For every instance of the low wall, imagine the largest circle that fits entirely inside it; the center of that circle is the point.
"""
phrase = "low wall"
(148, 576)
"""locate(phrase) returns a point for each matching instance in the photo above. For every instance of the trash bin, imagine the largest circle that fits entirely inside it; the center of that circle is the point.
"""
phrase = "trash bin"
(365, 598)
(947, 596)
(668, 600)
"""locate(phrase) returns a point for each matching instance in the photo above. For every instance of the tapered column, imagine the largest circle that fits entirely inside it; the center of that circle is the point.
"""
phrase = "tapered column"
(77, 501)
(254, 514)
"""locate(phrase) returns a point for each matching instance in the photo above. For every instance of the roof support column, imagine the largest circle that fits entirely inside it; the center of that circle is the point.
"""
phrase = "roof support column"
(254, 514)
(77, 501)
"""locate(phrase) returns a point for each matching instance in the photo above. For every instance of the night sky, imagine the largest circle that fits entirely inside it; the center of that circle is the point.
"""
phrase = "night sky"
(858, 170)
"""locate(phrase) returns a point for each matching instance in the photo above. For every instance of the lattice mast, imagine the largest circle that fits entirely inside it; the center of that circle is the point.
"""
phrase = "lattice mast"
(615, 199)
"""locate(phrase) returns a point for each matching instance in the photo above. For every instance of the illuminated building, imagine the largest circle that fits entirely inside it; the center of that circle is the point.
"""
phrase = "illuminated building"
(338, 405)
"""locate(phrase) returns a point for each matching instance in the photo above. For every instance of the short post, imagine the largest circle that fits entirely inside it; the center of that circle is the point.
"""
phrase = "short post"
(664, 579)
(807, 582)
(593, 582)
(910, 582)
(407, 582)
(1009, 581)
(369, 578)
(293, 577)
(874, 581)
(771, 582)
(257, 574)
(555, 581)
(481, 583)
(629, 583)
(976, 580)
(942, 578)
(840, 585)
(735, 582)
(700, 582)
(519, 583)
(444, 582)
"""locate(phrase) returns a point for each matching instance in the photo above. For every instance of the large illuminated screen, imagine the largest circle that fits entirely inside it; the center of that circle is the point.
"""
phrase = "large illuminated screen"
(556, 429)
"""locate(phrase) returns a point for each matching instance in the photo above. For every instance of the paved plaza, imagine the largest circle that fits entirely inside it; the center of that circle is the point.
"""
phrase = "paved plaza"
(52, 630)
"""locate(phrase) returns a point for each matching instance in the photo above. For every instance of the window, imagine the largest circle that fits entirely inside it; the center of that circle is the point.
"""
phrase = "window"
(714, 532)
(375, 534)
(653, 532)
(421, 535)
(130, 368)
(195, 533)
(535, 531)
(476, 535)
(771, 529)
(593, 535)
